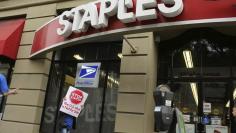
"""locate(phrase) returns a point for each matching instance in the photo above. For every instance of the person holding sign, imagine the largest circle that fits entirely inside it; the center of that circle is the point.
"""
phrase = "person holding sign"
(68, 123)
(71, 107)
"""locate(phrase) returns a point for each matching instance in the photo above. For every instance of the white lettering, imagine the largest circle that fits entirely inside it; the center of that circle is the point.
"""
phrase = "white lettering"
(123, 16)
(108, 8)
(142, 13)
(173, 11)
(90, 17)
(77, 18)
(80, 18)
(64, 20)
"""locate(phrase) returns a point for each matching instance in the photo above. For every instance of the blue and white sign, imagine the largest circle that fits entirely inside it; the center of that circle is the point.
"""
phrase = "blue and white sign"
(87, 75)
(88, 71)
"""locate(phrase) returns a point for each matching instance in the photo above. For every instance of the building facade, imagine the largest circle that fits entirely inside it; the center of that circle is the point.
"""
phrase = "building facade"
(149, 55)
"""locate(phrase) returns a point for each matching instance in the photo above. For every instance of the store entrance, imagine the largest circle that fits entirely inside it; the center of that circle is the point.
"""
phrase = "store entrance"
(200, 67)
(98, 115)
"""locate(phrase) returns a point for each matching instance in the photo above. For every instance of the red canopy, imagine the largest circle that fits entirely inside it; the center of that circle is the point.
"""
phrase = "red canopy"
(10, 35)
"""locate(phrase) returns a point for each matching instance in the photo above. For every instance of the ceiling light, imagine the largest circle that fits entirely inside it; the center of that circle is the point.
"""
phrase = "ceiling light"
(234, 94)
(194, 91)
(228, 104)
(78, 57)
(120, 55)
(188, 58)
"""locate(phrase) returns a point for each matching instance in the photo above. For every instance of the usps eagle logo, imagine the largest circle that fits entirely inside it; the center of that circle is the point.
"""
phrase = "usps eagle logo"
(88, 71)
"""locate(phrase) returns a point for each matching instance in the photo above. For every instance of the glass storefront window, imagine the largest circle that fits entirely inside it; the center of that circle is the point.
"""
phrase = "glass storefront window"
(216, 94)
(199, 54)
(202, 59)
(92, 52)
(98, 115)
(216, 58)
(51, 105)
(186, 97)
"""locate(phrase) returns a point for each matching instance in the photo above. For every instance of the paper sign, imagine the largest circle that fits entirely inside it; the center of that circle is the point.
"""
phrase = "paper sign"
(216, 129)
(73, 102)
(190, 128)
(168, 103)
(157, 109)
(207, 107)
(186, 118)
(215, 121)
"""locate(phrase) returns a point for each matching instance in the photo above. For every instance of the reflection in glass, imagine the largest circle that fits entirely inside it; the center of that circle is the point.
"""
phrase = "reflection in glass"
(216, 93)
(53, 94)
(92, 52)
(109, 113)
(188, 58)
(185, 93)
(200, 53)
(194, 91)
(234, 94)
(200, 65)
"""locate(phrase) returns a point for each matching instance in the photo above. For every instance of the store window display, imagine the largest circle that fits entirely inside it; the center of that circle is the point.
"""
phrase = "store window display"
(199, 66)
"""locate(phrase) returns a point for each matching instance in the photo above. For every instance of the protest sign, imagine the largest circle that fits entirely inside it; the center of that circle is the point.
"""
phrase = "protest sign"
(73, 102)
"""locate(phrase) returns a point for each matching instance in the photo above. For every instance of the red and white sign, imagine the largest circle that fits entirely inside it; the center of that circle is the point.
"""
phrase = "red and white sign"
(109, 17)
(73, 102)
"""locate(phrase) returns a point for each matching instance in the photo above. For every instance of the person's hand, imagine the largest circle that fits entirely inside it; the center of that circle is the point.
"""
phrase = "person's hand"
(13, 91)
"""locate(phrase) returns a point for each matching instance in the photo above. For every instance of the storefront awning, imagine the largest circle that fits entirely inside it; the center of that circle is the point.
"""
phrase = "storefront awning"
(10, 35)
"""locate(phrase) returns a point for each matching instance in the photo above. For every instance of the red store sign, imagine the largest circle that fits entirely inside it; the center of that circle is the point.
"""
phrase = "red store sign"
(110, 17)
